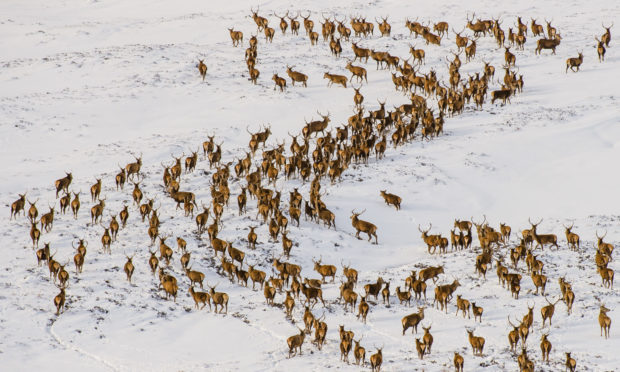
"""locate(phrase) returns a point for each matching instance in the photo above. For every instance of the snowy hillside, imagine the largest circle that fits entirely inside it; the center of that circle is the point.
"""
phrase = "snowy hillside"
(87, 85)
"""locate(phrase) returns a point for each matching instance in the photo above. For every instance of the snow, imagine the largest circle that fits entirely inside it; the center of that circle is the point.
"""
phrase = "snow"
(86, 84)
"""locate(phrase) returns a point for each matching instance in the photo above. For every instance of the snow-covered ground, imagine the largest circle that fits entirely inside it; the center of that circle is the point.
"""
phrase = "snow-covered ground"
(85, 84)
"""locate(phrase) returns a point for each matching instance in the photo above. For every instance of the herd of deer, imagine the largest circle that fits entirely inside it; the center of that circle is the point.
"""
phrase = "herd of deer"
(320, 157)
(449, 95)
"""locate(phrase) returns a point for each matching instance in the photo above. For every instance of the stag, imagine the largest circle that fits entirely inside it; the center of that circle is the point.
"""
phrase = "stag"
(363, 226)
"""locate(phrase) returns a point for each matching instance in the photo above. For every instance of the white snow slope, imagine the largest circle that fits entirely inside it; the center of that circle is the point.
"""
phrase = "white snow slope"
(83, 84)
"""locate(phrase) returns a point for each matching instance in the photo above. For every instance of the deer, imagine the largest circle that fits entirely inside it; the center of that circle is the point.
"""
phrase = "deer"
(269, 292)
(570, 364)
(505, 230)
(441, 28)
(363, 226)
(513, 336)
(59, 300)
(18, 206)
(279, 82)
(547, 311)
(335, 79)
(194, 277)
(550, 43)
(296, 76)
(572, 239)
(470, 50)
(461, 41)
(309, 320)
(391, 199)
(62, 184)
(458, 362)
(129, 268)
(545, 347)
(412, 321)
(374, 288)
(256, 276)
(568, 296)
(47, 220)
(33, 212)
(165, 252)
(236, 37)
(462, 305)
(359, 352)
(551, 31)
(120, 178)
(236, 254)
(153, 262)
(605, 248)
(443, 294)
(348, 295)
(137, 193)
(430, 38)
(376, 360)
(604, 320)
(312, 293)
(418, 55)
(358, 98)
(254, 74)
(462, 225)
(134, 168)
(320, 331)
(420, 348)
(478, 27)
(185, 258)
(261, 22)
(96, 211)
(308, 23)
(325, 270)
(53, 265)
(403, 296)
(384, 27)
(345, 348)
(78, 260)
(169, 284)
(606, 38)
(283, 24)
(363, 309)
(540, 281)
(64, 203)
(200, 298)
(349, 273)
(385, 294)
(541, 240)
(242, 276)
(432, 241)
(476, 342)
(289, 304)
(43, 254)
(607, 276)
(427, 338)
(509, 57)
(191, 161)
(218, 298)
(574, 63)
(269, 33)
(431, 273)
(202, 219)
(295, 342)
(75, 204)
(525, 363)
(357, 71)
(600, 49)
(63, 275)
(477, 311)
